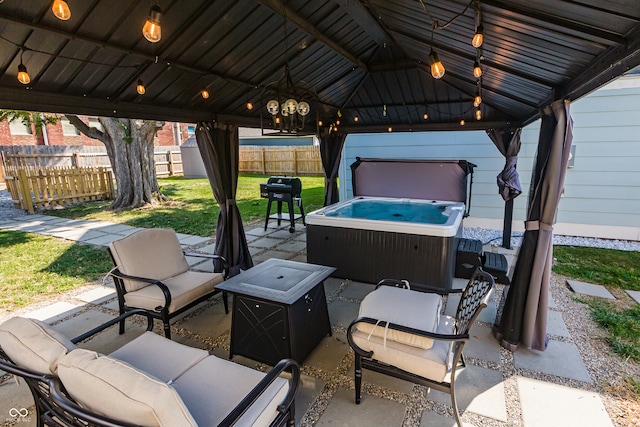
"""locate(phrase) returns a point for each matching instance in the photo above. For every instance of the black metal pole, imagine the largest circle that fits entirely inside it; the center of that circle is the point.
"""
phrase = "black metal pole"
(506, 227)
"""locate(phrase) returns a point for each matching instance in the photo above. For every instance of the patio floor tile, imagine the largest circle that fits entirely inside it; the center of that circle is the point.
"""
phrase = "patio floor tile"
(54, 312)
(260, 231)
(555, 324)
(98, 295)
(342, 313)
(103, 240)
(478, 390)
(282, 234)
(482, 345)
(589, 289)
(372, 411)
(431, 419)
(331, 285)
(328, 353)
(547, 404)
(382, 380)
(292, 246)
(357, 290)
(209, 249)
(83, 322)
(16, 395)
(271, 254)
(560, 358)
(211, 322)
(265, 243)
(308, 391)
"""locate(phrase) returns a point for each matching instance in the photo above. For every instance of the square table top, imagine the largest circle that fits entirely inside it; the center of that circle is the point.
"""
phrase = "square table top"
(277, 280)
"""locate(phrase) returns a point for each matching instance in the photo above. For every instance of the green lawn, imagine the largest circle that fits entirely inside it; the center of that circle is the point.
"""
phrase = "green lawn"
(613, 269)
(192, 209)
(36, 267)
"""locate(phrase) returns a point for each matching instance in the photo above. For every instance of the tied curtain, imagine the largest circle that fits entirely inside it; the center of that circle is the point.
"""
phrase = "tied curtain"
(331, 144)
(524, 318)
(219, 148)
(508, 143)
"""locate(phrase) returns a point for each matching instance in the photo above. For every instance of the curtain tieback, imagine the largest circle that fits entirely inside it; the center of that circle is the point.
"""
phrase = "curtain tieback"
(537, 225)
(230, 202)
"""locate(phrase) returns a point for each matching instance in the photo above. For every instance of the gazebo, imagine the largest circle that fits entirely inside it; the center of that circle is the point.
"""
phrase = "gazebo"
(333, 67)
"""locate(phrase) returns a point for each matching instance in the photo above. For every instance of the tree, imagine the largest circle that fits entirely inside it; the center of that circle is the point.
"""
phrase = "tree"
(129, 145)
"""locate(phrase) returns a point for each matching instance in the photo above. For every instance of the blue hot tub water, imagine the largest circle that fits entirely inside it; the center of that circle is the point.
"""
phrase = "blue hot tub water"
(393, 211)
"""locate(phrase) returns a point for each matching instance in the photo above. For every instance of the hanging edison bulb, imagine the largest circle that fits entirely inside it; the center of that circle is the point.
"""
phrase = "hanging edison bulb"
(272, 107)
(477, 70)
(437, 69)
(23, 76)
(462, 122)
(478, 37)
(303, 108)
(390, 129)
(61, 10)
(355, 119)
(319, 122)
(249, 106)
(151, 29)
(290, 106)
(140, 88)
(425, 116)
(478, 114)
(204, 93)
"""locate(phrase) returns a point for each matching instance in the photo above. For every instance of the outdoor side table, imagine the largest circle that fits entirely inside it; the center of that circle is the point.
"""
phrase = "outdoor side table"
(279, 310)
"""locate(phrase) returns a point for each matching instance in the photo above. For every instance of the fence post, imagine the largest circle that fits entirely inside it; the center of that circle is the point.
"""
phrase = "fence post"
(75, 159)
(295, 161)
(26, 192)
(264, 161)
(170, 162)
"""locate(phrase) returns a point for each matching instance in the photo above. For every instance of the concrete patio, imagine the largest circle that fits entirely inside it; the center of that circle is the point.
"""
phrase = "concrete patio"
(526, 388)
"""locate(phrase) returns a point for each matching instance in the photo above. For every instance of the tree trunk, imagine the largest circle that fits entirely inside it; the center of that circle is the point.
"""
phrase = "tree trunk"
(129, 145)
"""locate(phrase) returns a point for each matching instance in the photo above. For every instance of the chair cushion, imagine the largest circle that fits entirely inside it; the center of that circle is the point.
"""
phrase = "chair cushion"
(403, 307)
(185, 288)
(160, 357)
(153, 253)
(432, 363)
(213, 387)
(119, 391)
(33, 344)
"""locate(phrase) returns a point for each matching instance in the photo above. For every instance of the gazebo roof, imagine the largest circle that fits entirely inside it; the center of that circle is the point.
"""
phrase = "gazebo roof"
(364, 58)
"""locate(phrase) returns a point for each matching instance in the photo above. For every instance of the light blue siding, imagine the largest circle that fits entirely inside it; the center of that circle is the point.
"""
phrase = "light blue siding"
(602, 188)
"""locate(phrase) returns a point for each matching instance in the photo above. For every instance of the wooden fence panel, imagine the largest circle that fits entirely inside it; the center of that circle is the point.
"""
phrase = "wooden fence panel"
(287, 160)
(34, 188)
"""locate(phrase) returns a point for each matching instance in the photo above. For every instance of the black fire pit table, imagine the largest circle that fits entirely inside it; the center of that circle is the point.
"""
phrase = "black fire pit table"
(279, 310)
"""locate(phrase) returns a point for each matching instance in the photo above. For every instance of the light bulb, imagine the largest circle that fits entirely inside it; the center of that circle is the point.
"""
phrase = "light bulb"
(249, 106)
(277, 120)
(425, 116)
(477, 71)
(478, 37)
(151, 30)
(437, 69)
(319, 122)
(477, 100)
(338, 122)
(478, 114)
(290, 106)
(140, 88)
(23, 76)
(272, 107)
(204, 93)
(355, 119)
(462, 122)
(390, 129)
(61, 10)
(303, 108)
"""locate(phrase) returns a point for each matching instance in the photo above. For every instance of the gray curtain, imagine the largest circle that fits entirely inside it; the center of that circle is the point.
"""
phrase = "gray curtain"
(331, 144)
(524, 318)
(508, 143)
(219, 149)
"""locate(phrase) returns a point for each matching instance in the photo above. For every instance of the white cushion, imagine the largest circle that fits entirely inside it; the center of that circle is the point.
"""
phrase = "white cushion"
(185, 288)
(153, 253)
(119, 391)
(432, 363)
(33, 344)
(213, 387)
(162, 358)
(417, 310)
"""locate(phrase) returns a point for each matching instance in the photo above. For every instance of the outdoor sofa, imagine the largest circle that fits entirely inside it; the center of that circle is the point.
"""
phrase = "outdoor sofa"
(150, 381)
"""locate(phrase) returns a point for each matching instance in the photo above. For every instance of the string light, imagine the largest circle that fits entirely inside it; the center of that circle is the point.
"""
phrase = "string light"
(204, 93)
(477, 100)
(151, 30)
(425, 116)
(319, 122)
(355, 119)
(462, 122)
(140, 88)
(437, 69)
(61, 10)
(478, 114)
(23, 76)
(477, 71)
(249, 106)
(478, 37)
(337, 122)
(390, 129)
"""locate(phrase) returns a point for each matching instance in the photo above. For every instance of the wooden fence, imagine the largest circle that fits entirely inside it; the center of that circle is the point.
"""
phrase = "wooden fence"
(34, 188)
(290, 160)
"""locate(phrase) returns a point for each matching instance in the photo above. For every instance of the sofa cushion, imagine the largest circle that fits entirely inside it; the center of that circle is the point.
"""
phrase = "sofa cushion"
(185, 288)
(115, 389)
(433, 363)
(209, 404)
(153, 253)
(33, 344)
(162, 358)
(418, 310)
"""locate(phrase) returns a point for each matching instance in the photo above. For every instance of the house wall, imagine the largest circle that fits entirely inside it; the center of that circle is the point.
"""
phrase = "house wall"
(602, 189)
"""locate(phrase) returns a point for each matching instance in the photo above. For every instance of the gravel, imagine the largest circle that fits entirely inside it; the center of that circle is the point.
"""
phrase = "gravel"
(6, 207)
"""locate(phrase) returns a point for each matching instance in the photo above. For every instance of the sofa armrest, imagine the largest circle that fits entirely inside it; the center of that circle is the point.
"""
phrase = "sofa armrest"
(271, 376)
(223, 261)
(114, 321)
(155, 282)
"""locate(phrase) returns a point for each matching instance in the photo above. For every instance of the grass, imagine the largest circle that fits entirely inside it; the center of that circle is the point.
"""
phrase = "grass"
(36, 267)
(613, 269)
(192, 208)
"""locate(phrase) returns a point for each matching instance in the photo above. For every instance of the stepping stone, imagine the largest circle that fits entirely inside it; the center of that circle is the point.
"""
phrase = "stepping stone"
(308, 391)
(193, 240)
(292, 246)
(372, 411)
(342, 313)
(482, 345)
(357, 290)
(589, 289)
(635, 295)
(266, 242)
(98, 295)
(54, 312)
(328, 354)
(209, 249)
(560, 358)
(555, 324)
(258, 232)
(104, 240)
(547, 404)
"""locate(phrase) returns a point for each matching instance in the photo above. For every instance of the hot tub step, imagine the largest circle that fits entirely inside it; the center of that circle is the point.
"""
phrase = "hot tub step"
(468, 257)
(497, 266)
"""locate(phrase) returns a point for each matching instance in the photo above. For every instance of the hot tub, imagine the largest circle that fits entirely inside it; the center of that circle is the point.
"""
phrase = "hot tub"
(371, 238)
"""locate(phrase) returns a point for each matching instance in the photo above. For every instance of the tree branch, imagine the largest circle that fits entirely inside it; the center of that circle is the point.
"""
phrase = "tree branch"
(91, 132)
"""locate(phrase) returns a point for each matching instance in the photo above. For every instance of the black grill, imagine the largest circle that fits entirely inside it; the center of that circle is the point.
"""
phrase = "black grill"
(283, 189)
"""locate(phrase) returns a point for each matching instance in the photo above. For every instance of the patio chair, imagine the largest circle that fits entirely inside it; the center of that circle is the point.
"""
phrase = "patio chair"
(402, 332)
(152, 273)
